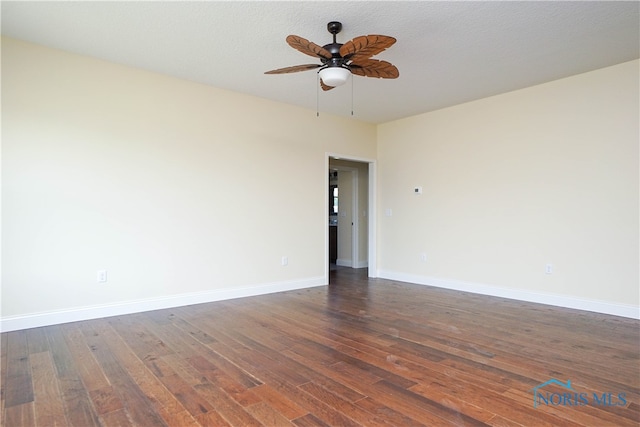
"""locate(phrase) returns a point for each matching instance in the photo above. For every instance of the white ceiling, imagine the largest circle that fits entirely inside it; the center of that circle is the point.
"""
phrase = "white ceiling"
(447, 52)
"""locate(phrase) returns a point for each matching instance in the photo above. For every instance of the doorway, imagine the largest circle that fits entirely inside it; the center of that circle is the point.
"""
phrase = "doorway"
(350, 221)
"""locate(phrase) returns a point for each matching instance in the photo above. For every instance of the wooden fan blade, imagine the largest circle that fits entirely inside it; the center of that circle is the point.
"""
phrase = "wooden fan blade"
(375, 68)
(294, 69)
(324, 86)
(364, 47)
(307, 47)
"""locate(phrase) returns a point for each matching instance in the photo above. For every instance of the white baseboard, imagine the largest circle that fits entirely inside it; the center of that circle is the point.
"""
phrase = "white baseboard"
(603, 307)
(349, 263)
(14, 323)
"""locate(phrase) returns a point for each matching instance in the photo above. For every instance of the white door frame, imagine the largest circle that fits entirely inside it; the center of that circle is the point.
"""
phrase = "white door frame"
(371, 212)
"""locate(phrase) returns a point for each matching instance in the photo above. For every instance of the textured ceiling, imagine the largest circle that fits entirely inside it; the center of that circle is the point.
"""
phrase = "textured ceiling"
(447, 52)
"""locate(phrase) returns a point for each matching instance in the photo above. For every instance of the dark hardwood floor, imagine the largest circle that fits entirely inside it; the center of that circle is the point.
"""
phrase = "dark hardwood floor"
(359, 352)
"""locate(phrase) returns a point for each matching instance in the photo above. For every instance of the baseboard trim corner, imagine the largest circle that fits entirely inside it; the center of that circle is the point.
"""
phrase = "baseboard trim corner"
(349, 263)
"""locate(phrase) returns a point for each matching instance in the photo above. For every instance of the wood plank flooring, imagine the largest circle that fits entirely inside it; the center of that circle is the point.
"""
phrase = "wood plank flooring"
(359, 352)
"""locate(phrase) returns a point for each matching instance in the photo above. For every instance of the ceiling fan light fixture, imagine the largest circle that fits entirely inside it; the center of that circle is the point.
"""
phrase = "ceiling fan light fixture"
(334, 76)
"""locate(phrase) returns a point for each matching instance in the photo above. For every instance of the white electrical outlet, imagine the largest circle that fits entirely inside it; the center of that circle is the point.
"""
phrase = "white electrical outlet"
(548, 269)
(101, 276)
(285, 260)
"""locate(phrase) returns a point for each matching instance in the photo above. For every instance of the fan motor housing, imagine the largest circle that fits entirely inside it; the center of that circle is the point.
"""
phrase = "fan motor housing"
(334, 49)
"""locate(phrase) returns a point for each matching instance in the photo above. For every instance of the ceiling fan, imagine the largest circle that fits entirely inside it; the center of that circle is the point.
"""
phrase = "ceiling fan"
(339, 60)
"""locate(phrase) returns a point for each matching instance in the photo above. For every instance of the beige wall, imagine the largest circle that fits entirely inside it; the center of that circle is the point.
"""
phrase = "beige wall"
(547, 174)
(182, 189)
(173, 187)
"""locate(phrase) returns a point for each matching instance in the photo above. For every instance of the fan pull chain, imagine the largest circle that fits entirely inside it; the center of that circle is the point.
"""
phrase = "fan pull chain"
(352, 94)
